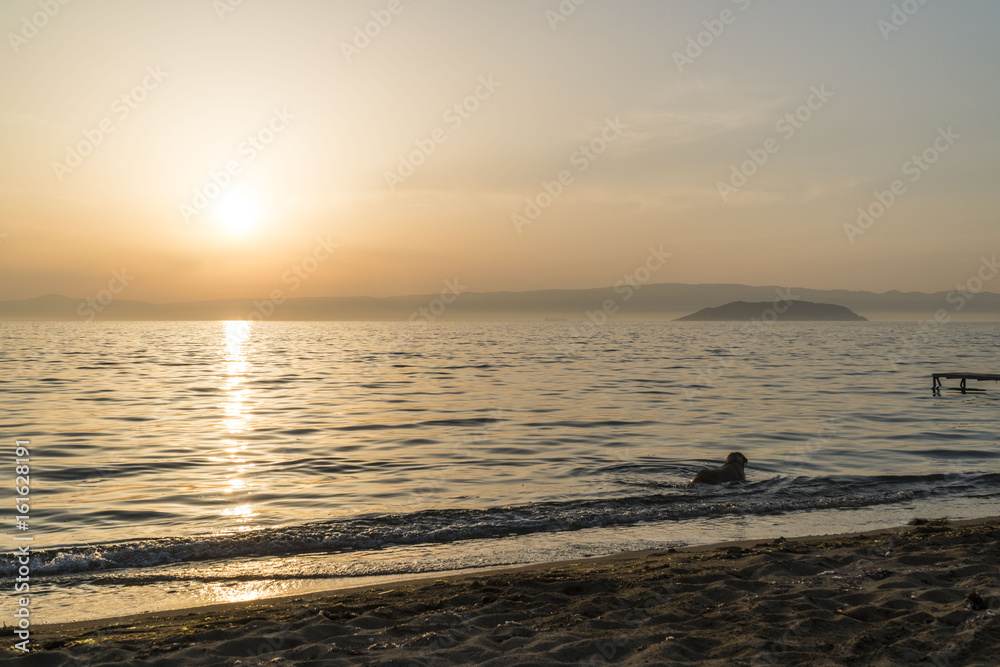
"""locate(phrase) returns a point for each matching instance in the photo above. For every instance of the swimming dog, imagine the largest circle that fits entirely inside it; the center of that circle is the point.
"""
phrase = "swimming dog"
(730, 471)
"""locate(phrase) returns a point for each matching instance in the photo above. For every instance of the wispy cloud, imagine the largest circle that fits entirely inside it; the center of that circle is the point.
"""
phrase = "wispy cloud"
(692, 111)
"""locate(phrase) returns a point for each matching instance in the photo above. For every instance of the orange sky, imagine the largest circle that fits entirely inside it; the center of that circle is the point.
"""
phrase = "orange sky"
(208, 149)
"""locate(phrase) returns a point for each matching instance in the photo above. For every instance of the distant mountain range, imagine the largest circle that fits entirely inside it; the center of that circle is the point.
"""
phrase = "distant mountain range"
(784, 311)
(665, 301)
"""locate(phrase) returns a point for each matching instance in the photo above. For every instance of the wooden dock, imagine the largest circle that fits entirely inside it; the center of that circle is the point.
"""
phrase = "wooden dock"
(937, 377)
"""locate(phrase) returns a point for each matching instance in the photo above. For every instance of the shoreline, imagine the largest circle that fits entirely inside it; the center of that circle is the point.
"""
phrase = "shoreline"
(803, 600)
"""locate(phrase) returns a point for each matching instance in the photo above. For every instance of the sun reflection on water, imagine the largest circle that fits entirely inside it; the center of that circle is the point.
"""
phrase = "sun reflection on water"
(237, 421)
(242, 510)
(237, 366)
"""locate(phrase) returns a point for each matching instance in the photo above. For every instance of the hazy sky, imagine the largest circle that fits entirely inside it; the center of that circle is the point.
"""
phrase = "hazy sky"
(119, 118)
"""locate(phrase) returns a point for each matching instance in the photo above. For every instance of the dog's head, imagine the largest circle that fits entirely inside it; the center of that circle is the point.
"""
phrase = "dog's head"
(738, 459)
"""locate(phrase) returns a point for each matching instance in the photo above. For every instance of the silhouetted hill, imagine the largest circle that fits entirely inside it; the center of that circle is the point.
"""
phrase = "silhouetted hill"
(792, 311)
(649, 302)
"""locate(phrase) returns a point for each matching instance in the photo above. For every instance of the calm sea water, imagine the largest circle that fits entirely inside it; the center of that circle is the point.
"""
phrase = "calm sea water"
(175, 464)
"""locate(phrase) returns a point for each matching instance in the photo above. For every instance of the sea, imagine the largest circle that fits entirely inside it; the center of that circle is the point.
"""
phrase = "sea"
(181, 464)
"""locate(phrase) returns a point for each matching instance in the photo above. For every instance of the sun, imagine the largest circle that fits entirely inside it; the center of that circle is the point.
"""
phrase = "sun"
(238, 213)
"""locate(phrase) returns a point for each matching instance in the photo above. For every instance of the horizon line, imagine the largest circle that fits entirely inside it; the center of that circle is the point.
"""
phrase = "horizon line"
(502, 291)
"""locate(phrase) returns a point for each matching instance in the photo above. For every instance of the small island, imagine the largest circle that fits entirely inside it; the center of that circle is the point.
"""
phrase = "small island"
(795, 311)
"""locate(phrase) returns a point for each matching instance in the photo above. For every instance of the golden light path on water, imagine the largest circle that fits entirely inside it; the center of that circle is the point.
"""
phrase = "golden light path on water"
(237, 420)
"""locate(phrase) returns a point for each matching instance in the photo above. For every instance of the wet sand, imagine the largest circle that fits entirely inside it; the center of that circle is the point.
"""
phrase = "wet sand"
(919, 594)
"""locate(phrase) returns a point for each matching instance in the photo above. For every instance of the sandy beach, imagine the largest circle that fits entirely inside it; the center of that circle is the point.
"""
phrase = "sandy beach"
(925, 593)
